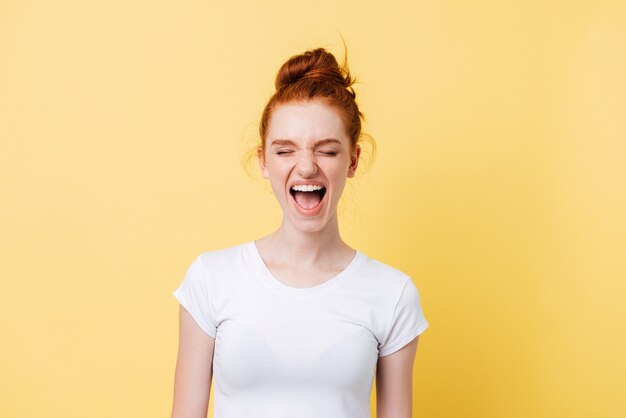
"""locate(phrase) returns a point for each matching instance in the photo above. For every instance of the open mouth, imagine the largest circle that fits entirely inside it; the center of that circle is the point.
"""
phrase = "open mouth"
(308, 197)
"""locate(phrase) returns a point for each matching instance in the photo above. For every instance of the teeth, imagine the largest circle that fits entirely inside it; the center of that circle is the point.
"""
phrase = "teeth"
(306, 187)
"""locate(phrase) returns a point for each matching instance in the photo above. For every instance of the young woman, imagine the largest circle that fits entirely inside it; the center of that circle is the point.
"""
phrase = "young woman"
(297, 324)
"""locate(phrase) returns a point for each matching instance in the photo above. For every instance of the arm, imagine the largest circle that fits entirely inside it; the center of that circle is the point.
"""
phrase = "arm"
(194, 367)
(394, 383)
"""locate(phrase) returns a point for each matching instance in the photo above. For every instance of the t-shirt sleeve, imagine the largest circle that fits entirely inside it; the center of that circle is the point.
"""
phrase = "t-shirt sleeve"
(194, 295)
(407, 323)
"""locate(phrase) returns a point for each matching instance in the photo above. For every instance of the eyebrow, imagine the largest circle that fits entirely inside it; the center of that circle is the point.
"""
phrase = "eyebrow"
(280, 142)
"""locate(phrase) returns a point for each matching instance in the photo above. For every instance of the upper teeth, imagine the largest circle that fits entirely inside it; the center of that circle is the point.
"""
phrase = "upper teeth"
(306, 187)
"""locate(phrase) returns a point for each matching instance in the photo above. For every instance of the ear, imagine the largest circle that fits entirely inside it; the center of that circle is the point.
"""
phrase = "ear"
(262, 165)
(354, 160)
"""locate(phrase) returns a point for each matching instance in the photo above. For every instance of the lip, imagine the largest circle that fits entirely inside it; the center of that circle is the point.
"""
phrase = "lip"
(308, 212)
(307, 183)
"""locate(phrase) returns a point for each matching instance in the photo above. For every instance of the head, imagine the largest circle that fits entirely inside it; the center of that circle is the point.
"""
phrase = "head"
(310, 131)
(315, 76)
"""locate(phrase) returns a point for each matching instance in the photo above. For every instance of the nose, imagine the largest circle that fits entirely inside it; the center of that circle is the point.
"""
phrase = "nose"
(307, 165)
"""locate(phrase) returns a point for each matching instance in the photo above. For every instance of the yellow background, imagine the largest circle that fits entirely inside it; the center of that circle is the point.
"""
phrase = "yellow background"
(499, 186)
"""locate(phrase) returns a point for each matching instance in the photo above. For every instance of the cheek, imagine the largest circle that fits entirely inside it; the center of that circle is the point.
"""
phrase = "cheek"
(338, 181)
(275, 169)
(338, 171)
(277, 176)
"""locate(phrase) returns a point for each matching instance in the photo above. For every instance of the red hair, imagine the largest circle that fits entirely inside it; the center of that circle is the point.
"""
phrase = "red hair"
(315, 75)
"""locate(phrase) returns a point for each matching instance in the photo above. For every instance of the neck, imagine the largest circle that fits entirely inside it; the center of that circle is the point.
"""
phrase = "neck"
(306, 247)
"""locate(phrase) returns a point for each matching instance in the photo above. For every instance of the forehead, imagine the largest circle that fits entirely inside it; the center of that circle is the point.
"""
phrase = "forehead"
(306, 122)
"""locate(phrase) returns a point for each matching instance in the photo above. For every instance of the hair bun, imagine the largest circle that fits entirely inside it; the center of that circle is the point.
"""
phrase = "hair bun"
(317, 64)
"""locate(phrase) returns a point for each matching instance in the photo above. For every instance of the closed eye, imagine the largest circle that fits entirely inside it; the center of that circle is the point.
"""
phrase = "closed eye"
(331, 153)
(283, 152)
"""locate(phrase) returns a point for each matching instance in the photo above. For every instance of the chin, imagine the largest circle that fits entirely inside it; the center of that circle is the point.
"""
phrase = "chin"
(309, 225)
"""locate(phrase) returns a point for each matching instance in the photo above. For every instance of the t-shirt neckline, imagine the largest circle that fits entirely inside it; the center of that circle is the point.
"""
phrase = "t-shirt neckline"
(302, 292)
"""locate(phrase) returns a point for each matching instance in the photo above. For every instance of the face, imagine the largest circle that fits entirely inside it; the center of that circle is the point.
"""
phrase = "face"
(307, 160)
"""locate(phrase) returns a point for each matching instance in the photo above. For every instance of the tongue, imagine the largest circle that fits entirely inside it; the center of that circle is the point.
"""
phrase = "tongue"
(308, 200)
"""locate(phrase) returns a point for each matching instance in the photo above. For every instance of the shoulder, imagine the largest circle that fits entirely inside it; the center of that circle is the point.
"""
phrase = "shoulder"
(216, 267)
(215, 259)
(380, 272)
(383, 280)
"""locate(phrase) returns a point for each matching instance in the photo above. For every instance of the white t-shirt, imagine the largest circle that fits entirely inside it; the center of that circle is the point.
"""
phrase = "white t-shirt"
(286, 352)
